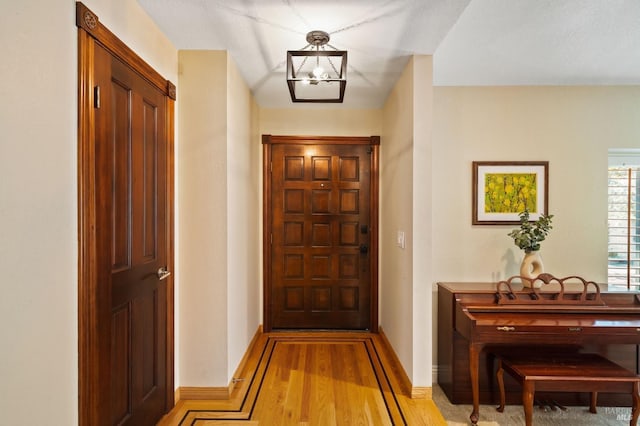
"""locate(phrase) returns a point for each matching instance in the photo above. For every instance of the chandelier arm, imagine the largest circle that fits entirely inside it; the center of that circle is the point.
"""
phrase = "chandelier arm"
(333, 66)
(301, 65)
(332, 46)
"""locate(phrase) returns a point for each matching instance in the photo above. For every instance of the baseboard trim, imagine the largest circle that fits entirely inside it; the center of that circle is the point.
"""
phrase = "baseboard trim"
(416, 392)
(243, 362)
(421, 392)
(217, 393)
(202, 393)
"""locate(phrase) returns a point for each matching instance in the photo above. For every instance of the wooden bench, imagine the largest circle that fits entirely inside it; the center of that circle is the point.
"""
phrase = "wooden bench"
(537, 370)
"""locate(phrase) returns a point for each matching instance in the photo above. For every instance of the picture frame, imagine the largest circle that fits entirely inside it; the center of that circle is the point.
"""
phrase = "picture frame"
(503, 189)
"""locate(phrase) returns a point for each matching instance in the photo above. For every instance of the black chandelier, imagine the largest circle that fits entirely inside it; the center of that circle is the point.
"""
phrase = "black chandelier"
(315, 74)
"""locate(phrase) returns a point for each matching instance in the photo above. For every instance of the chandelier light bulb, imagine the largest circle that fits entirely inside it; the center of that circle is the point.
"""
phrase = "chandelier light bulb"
(318, 72)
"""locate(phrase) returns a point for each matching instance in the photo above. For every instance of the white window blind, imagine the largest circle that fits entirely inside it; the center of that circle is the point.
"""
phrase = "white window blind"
(624, 220)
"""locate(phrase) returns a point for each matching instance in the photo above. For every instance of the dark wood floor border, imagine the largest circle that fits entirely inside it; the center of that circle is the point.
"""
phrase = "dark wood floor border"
(247, 402)
(243, 413)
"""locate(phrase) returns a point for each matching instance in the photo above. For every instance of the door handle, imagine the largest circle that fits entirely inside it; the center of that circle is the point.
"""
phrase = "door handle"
(364, 249)
(163, 273)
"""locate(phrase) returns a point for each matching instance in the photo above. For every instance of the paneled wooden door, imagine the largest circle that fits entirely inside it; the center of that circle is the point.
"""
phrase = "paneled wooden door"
(125, 307)
(132, 160)
(321, 233)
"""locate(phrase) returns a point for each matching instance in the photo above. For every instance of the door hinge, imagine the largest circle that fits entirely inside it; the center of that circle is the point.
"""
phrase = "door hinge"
(271, 238)
(369, 150)
(96, 97)
(271, 167)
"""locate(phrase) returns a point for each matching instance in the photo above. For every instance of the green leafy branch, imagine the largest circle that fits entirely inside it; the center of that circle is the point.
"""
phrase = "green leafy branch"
(531, 234)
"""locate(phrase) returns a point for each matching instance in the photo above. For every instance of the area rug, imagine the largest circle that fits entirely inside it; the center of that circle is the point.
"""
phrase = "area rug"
(513, 415)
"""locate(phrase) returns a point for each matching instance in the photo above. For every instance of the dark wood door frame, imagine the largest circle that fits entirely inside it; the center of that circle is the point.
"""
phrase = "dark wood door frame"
(93, 312)
(267, 141)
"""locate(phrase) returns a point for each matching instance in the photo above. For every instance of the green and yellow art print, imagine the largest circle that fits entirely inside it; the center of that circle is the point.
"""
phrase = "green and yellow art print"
(501, 190)
(510, 192)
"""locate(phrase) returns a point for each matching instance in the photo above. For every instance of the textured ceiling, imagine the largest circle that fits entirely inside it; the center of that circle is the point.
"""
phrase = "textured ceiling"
(474, 42)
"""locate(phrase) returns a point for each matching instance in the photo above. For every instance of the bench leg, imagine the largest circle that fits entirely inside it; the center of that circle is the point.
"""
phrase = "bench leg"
(594, 402)
(500, 378)
(635, 409)
(528, 389)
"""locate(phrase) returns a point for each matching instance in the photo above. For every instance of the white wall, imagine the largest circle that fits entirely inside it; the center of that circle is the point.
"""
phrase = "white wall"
(38, 189)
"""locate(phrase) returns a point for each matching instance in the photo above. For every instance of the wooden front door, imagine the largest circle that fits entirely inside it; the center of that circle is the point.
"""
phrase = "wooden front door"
(321, 259)
(125, 285)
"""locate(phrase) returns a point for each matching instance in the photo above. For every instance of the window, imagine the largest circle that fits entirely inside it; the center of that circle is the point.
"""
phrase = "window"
(624, 218)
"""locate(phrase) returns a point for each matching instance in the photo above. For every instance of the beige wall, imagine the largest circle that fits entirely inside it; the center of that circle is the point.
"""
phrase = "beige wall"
(422, 208)
(321, 122)
(201, 269)
(572, 128)
(396, 214)
(220, 251)
(406, 194)
(38, 227)
(38, 189)
(244, 213)
(131, 24)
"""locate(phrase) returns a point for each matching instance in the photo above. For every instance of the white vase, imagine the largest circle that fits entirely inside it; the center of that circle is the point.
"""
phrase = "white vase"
(531, 267)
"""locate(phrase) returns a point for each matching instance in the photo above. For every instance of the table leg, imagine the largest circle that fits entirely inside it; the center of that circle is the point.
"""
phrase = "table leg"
(474, 361)
(635, 409)
(500, 377)
(528, 389)
(593, 402)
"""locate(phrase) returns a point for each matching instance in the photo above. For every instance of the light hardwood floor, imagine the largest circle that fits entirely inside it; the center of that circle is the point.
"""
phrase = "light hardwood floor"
(318, 378)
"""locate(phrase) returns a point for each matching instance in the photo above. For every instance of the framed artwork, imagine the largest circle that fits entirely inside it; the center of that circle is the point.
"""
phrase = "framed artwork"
(502, 189)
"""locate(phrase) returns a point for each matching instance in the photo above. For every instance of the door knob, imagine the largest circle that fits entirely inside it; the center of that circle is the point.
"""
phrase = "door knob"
(163, 273)
(364, 249)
